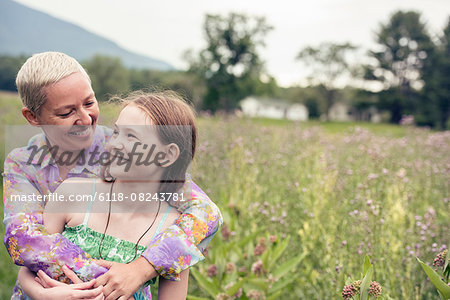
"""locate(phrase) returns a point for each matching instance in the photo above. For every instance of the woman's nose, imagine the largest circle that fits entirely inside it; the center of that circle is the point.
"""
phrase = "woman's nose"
(84, 118)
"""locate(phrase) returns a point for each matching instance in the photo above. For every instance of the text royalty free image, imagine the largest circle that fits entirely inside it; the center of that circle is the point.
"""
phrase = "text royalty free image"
(105, 158)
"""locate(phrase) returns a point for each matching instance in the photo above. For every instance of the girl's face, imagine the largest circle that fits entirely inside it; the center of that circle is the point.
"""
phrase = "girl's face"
(135, 147)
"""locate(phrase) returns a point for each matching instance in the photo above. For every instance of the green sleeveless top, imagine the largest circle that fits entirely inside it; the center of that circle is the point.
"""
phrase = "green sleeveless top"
(113, 249)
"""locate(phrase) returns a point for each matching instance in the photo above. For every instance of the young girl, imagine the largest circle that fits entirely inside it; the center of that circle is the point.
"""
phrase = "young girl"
(152, 145)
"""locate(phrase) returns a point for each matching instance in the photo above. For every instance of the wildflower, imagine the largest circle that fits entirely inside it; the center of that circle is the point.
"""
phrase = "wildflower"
(257, 268)
(273, 238)
(223, 296)
(259, 249)
(225, 232)
(271, 280)
(230, 267)
(257, 295)
(348, 291)
(375, 289)
(439, 261)
(212, 271)
(357, 285)
(242, 270)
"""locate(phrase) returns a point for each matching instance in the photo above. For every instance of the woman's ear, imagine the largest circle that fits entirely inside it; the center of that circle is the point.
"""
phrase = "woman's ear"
(30, 116)
(172, 154)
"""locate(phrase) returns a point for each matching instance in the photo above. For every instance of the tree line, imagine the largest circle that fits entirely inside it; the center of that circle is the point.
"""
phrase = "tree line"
(407, 74)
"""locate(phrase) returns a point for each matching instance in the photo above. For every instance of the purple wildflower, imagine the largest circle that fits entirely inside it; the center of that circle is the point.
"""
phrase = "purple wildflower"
(348, 291)
(439, 261)
(375, 289)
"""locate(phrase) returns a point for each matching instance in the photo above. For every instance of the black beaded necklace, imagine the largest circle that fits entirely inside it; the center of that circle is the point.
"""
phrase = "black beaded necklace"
(107, 223)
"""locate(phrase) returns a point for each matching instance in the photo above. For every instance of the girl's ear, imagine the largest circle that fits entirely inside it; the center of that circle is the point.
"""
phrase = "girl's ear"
(30, 116)
(172, 154)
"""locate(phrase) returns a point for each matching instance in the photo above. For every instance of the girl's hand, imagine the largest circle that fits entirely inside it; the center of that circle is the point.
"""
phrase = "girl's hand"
(54, 289)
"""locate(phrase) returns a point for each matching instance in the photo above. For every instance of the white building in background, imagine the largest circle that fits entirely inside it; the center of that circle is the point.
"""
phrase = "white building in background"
(342, 112)
(274, 109)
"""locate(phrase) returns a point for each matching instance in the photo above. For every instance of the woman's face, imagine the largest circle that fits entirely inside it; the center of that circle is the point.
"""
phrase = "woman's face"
(70, 114)
(136, 140)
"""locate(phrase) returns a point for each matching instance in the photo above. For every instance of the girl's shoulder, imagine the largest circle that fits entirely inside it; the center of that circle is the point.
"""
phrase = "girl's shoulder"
(76, 185)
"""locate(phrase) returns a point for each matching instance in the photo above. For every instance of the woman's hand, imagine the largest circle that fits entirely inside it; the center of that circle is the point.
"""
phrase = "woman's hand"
(54, 289)
(123, 280)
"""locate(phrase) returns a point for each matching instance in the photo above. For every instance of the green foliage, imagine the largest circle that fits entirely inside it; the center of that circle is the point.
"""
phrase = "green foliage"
(405, 45)
(252, 266)
(435, 109)
(230, 64)
(346, 189)
(328, 63)
(9, 66)
(109, 76)
(439, 281)
(190, 87)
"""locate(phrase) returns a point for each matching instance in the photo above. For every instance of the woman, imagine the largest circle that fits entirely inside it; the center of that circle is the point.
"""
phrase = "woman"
(161, 122)
(57, 93)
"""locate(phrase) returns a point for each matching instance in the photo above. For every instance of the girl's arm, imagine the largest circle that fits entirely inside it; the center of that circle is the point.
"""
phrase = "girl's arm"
(169, 290)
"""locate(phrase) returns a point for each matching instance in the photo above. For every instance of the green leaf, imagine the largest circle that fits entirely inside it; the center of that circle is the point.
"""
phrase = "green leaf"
(279, 249)
(205, 283)
(364, 290)
(288, 265)
(235, 287)
(190, 297)
(366, 265)
(275, 296)
(280, 284)
(258, 283)
(443, 288)
(241, 243)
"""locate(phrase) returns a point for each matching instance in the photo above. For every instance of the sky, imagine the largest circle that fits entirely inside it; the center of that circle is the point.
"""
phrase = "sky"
(165, 29)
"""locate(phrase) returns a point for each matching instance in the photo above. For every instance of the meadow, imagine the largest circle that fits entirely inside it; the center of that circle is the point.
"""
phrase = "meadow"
(303, 203)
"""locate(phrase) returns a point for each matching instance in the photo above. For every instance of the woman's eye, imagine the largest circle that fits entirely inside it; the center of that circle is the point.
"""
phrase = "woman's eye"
(64, 115)
(132, 136)
(89, 103)
(115, 132)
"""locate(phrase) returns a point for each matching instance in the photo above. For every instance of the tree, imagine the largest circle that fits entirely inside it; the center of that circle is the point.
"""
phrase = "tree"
(108, 76)
(329, 64)
(230, 64)
(436, 110)
(404, 46)
(9, 66)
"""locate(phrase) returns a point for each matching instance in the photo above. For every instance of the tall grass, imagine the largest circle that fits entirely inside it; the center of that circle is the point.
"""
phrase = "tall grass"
(337, 191)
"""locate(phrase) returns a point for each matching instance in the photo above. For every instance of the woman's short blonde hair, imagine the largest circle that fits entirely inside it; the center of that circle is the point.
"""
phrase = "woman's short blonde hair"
(40, 71)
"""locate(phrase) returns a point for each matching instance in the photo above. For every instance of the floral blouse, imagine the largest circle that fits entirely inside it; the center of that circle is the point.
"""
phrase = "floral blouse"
(172, 251)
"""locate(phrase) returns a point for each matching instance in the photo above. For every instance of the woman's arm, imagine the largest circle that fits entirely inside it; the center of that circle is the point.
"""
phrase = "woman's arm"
(181, 245)
(57, 290)
(173, 290)
(25, 239)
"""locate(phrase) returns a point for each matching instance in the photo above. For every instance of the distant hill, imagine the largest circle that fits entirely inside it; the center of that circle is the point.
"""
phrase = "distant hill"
(26, 31)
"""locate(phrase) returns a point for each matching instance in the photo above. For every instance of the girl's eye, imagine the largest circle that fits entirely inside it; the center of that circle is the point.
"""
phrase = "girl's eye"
(89, 103)
(132, 136)
(115, 132)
